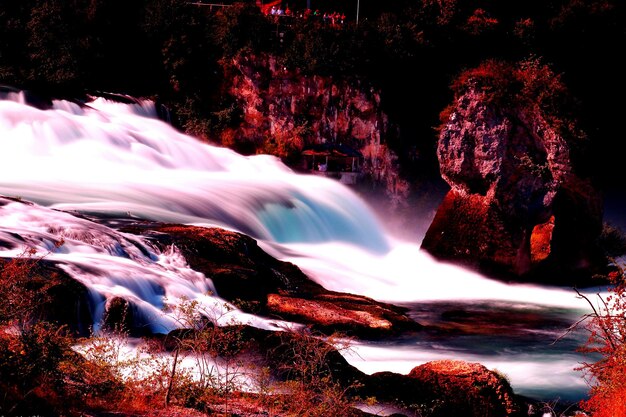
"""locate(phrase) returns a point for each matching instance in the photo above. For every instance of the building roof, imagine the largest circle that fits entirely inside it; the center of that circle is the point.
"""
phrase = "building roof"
(331, 149)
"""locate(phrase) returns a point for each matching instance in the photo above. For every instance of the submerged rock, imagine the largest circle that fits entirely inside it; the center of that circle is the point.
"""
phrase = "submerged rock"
(348, 313)
(125, 317)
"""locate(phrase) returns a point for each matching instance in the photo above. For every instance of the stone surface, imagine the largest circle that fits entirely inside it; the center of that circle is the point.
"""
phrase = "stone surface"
(246, 275)
(510, 171)
(467, 388)
(541, 241)
(235, 263)
(445, 388)
(120, 316)
(66, 301)
(348, 313)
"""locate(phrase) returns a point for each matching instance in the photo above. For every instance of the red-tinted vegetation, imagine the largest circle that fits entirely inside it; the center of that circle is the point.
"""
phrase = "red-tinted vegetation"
(607, 339)
(42, 373)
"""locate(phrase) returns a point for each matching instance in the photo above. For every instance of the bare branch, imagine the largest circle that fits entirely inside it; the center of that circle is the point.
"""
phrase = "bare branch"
(571, 328)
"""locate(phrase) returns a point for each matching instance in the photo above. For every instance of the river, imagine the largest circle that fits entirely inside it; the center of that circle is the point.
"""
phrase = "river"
(105, 159)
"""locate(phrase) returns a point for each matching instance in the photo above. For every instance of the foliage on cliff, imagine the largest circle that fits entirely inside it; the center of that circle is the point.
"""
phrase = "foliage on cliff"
(529, 86)
(527, 83)
(44, 370)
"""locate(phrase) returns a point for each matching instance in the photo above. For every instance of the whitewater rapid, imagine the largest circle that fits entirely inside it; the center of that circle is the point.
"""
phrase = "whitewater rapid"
(109, 158)
(115, 160)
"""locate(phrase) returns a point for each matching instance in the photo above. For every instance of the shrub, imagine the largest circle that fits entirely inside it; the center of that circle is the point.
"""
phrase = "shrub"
(440, 11)
(607, 340)
(612, 241)
(36, 372)
(217, 373)
(241, 27)
(39, 372)
(479, 22)
(21, 292)
(286, 144)
(312, 386)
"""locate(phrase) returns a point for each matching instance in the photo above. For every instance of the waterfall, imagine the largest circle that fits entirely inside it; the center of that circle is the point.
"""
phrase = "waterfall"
(106, 159)
(113, 264)
(113, 158)
(116, 159)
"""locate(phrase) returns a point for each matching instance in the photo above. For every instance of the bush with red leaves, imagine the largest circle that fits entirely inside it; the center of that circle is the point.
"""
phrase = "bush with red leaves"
(607, 339)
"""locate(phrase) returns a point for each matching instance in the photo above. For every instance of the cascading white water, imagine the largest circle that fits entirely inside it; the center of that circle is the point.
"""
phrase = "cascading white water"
(118, 160)
(112, 264)
(108, 158)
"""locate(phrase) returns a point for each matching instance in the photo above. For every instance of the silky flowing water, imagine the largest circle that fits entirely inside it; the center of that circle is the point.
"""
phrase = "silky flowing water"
(81, 164)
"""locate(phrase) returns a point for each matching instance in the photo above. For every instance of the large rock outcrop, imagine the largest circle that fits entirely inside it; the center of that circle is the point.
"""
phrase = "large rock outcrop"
(517, 207)
(36, 288)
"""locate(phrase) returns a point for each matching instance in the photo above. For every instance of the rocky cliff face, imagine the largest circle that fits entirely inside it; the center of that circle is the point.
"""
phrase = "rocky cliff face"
(516, 205)
(285, 111)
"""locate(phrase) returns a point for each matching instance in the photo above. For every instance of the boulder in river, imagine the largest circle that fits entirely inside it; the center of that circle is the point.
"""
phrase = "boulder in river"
(520, 203)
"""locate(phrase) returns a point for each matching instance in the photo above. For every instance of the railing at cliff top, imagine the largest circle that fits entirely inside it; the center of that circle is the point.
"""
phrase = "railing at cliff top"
(282, 16)
(211, 5)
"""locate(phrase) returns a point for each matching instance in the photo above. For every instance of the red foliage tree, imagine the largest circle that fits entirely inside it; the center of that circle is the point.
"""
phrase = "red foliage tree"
(607, 338)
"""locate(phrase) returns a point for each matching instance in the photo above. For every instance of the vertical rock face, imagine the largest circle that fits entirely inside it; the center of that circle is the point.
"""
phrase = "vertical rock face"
(284, 111)
(516, 207)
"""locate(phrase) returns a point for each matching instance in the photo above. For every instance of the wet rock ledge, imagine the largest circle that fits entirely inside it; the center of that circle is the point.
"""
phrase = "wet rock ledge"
(258, 283)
